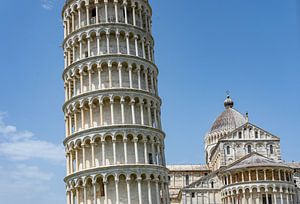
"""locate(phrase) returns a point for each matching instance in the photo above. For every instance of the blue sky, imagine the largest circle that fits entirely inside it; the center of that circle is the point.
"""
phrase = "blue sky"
(203, 49)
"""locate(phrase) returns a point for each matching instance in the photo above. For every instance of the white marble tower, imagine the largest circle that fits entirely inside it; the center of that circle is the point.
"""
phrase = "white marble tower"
(114, 142)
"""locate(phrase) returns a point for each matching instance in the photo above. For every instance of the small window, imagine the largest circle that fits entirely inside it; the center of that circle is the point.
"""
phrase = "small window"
(93, 12)
(102, 191)
(249, 149)
(240, 135)
(256, 134)
(212, 184)
(193, 195)
(169, 177)
(271, 149)
(123, 12)
(150, 158)
(187, 180)
(228, 150)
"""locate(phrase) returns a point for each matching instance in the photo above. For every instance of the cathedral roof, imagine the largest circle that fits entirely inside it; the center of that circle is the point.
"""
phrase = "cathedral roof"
(230, 119)
(179, 167)
(255, 160)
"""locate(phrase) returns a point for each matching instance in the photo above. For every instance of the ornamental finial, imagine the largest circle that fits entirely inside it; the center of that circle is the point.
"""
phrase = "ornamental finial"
(228, 103)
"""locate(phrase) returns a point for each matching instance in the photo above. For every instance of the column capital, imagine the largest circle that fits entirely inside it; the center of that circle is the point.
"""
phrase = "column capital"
(120, 65)
(135, 139)
(132, 102)
(111, 101)
(122, 101)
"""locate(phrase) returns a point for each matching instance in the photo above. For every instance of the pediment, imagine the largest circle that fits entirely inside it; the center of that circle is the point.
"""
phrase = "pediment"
(249, 131)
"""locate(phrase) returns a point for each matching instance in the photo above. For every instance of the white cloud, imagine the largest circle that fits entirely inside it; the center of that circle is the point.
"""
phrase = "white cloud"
(47, 4)
(24, 171)
(23, 178)
(21, 145)
(32, 149)
(10, 132)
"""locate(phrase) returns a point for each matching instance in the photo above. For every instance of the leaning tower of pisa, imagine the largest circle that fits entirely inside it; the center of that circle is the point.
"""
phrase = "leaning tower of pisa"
(114, 141)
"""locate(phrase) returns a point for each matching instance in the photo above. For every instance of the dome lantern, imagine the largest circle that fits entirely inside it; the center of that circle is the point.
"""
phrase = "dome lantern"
(228, 103)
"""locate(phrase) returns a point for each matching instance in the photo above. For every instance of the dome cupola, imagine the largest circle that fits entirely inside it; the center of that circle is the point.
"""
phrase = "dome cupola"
(229, 120)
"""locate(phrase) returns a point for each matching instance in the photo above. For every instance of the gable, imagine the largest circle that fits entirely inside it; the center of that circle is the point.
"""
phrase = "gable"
(249, 131)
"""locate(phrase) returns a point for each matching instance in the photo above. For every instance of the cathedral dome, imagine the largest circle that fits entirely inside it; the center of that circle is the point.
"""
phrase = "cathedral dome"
(230, 119)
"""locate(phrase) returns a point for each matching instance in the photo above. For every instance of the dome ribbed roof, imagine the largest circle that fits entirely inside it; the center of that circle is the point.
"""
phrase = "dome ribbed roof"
(230, 119)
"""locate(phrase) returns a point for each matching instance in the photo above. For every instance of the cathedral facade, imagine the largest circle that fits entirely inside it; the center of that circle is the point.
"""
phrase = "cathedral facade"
(243, 166)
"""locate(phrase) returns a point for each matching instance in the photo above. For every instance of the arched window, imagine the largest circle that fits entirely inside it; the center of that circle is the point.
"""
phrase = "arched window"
(249, 149)
(271, 149)
(228, 150)
(212, 184)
